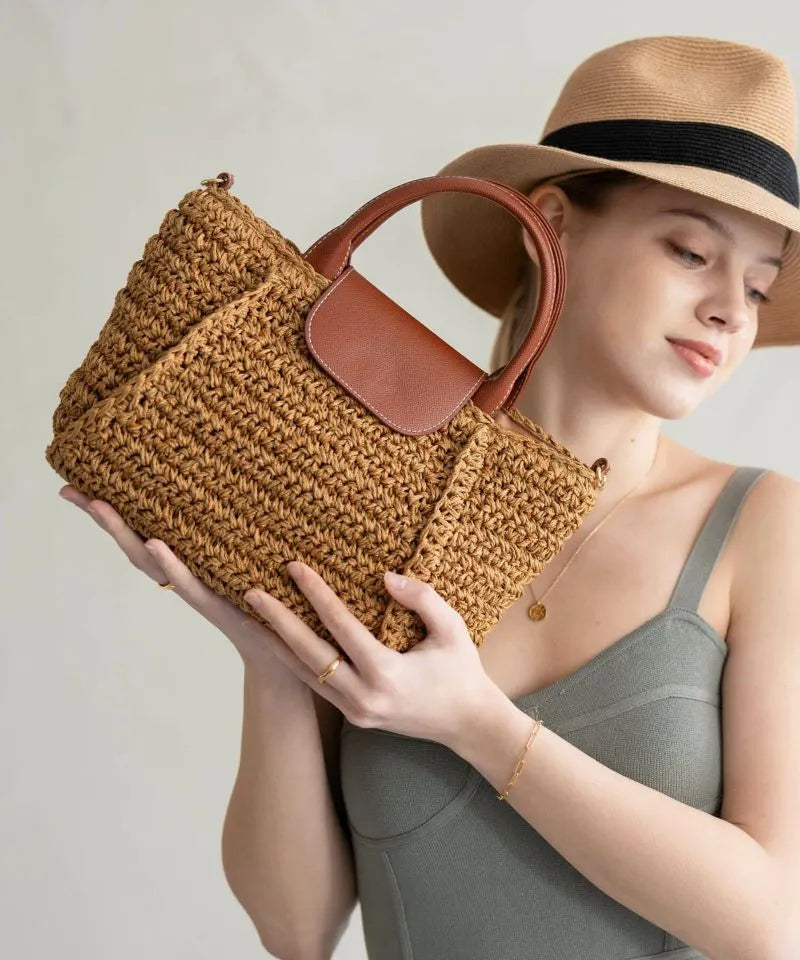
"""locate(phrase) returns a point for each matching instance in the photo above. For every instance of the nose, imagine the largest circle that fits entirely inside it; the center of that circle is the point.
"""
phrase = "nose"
(727, 303)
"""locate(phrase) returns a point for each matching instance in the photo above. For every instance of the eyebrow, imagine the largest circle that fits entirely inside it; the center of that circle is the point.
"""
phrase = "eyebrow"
(720, 228)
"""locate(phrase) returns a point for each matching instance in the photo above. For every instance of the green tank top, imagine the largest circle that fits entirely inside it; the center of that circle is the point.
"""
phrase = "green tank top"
(445, 871)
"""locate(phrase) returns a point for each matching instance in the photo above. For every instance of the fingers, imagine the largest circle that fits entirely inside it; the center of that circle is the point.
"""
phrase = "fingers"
(190, 588)
(308, 655)
(301, 670)
(155, 558)
(106, 517)
(159, 563)
(304, 652)
(369, 657)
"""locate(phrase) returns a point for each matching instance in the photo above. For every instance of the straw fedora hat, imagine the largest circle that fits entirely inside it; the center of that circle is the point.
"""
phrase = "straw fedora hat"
(711, 116)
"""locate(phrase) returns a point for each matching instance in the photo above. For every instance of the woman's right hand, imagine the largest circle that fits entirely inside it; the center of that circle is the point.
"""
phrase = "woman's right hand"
(162, 566)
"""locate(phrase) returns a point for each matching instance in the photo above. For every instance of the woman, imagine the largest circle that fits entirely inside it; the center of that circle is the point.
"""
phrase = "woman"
(677, 214)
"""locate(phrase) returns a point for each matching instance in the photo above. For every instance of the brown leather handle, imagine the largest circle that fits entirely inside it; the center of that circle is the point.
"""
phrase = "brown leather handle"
(331, 254)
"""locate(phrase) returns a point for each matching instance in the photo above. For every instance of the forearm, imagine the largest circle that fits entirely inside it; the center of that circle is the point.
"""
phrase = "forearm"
(285, 854)
(652, 853)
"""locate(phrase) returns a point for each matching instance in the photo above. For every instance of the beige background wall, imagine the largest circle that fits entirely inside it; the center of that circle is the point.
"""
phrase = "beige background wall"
(119, 708)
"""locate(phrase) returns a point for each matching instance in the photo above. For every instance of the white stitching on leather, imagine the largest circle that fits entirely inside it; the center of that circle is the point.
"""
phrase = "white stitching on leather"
(511, 190)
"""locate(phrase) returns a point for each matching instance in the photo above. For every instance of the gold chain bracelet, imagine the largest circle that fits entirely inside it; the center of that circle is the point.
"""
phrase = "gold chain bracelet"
(521, 761)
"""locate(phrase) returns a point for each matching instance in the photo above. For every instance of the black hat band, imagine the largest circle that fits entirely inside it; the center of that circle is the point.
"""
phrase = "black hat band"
(713, 146)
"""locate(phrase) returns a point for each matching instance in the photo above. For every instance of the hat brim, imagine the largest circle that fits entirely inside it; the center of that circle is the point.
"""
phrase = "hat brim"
(478, 244)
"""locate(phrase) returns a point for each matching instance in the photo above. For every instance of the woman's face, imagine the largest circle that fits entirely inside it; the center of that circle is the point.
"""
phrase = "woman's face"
(639, 276)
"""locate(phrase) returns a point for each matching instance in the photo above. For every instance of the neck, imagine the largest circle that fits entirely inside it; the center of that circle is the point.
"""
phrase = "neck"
(593, 423)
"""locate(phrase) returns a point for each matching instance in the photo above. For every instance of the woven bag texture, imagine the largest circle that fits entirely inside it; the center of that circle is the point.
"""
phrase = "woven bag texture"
(201, 415)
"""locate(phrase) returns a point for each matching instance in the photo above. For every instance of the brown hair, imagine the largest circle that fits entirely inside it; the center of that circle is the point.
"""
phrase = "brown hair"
(588, 191)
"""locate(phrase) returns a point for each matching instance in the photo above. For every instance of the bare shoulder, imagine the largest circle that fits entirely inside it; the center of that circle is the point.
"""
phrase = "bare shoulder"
(775, 496)
(765, 540)
(761, 680)
(761, 555)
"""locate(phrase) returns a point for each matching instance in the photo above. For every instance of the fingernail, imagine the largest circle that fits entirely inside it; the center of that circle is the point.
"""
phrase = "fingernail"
(397, 579)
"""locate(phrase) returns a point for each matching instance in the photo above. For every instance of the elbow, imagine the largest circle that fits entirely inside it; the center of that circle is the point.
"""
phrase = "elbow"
(783, 938)
(768, 946)
(296, 951)
(775, 936)
(781, 941)
(786, 944)
(309, 943)
(783, 949)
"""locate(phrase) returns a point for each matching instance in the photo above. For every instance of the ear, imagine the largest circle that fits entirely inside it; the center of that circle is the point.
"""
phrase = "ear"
(555, 205)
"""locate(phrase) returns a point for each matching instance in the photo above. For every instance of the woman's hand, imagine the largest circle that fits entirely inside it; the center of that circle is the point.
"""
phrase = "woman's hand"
(431, 691)
(162, 566)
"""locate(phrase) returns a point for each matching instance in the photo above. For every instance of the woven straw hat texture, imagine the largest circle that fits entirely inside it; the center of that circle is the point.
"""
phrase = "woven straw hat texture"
(200, 414)
(711, 116)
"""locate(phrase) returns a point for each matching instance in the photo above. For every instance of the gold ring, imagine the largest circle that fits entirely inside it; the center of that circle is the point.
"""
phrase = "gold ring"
(334, 664)
(166, 586)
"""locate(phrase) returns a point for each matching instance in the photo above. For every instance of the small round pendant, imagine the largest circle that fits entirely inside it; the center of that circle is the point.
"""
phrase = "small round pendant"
(537, 611)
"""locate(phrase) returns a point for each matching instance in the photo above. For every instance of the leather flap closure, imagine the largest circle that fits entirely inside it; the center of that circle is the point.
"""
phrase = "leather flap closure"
(386, 359)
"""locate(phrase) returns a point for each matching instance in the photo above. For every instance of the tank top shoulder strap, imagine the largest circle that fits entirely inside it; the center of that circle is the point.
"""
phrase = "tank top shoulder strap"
(712, 537)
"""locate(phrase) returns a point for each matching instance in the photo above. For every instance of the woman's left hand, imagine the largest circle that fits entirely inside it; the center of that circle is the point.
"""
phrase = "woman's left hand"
(431, 691)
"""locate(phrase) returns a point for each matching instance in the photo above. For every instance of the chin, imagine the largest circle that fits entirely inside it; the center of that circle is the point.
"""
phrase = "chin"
(674, 404)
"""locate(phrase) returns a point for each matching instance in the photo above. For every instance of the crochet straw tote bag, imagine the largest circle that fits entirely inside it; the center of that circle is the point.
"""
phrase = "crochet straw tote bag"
(249, 404)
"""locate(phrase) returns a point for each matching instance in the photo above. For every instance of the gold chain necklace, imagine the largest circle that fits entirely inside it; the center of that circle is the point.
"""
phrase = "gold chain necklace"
(537, 610)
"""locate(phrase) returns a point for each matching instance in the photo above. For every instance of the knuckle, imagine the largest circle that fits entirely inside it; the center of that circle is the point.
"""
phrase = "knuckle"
(368, 712)
(388, 679)
(359, 718)
(158, 557)
(136, 562)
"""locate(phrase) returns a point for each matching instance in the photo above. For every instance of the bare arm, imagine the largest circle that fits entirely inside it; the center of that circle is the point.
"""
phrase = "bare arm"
(286, 852)
(653, 853)
(645, 849)
(285, 844)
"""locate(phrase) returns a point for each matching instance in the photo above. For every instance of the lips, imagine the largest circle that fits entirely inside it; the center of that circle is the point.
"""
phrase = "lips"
(703, 348)
(700, 364)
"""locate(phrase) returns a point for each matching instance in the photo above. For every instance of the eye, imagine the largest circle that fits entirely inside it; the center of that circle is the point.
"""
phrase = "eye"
(683, 250)
(685, 254)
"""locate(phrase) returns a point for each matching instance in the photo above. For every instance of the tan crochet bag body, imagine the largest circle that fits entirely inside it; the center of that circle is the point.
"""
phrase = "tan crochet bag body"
(248, 405)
